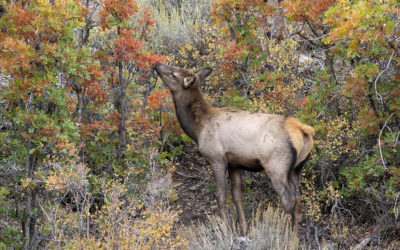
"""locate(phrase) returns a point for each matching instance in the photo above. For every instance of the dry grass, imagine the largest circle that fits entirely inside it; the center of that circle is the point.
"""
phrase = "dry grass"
(269, 229)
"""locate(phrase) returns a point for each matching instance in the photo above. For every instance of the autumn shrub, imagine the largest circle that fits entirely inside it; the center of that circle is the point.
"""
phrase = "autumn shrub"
(123, 219)
(65, 220)
(122, 224)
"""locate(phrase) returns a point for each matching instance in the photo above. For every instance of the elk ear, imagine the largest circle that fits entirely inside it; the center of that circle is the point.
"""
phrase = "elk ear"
(187, 81)
(203, 73)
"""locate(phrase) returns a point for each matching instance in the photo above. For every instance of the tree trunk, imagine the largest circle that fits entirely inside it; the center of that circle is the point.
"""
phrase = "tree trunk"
(329, 63)
(121, 106)
(29, 227)
(26, 223)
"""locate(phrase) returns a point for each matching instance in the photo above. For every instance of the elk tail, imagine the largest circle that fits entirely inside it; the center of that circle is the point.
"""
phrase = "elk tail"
(301, 136)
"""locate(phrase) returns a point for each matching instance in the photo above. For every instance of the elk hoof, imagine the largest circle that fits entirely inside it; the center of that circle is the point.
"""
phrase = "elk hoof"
(243, 239)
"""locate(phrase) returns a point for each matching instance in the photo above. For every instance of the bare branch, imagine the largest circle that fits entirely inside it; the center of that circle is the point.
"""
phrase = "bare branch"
(383, 71)
(187, 176)
(323, 108)
(396, 212)
(379, 141)
(312, 28)
(397, 139)
(364, 242)
(316, 237)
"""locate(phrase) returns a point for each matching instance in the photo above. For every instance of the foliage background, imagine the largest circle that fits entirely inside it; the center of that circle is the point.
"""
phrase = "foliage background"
(91, 149)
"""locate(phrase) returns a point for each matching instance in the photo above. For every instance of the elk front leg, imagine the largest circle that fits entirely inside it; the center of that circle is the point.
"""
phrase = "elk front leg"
(219, 170)
(236, 181)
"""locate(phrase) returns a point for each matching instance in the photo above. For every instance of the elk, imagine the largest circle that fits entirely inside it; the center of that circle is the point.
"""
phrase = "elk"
(234, 140)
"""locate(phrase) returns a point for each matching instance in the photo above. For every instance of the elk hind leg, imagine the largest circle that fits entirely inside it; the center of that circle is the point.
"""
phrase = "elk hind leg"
(294, 180)
(277, 170)
(287, 193)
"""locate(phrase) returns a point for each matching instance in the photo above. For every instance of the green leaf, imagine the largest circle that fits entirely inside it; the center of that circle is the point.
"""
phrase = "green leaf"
(185, 138)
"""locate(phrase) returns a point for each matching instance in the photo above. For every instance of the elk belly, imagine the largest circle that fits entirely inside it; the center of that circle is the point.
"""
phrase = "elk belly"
(252, 164)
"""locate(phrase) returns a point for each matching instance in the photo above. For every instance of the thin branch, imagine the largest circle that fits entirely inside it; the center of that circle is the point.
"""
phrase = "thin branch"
(373, 43)
(397, 139)
(310, 40)
(298, 31)
(316, 237)
(396, 212)
(187, 176)
(364, 242)
(383, 71)
(313, 39)
(312, 28)
(379, 142)
(323, 108)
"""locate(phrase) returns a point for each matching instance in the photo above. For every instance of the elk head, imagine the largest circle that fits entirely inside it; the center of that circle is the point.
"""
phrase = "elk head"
(179, 79)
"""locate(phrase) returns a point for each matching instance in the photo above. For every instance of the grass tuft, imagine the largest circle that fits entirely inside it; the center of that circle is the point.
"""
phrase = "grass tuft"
(269, 229)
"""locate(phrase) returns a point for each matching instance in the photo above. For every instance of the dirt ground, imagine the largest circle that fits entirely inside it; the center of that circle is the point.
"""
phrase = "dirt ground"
(194, 186)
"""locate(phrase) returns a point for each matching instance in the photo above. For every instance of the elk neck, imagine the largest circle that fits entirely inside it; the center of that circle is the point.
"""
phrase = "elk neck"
(192, 111)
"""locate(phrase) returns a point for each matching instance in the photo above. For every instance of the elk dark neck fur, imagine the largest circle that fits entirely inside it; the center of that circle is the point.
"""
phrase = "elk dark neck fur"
(191, 110)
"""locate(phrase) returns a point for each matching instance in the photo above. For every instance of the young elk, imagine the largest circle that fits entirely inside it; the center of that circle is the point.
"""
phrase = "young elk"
(234, 140)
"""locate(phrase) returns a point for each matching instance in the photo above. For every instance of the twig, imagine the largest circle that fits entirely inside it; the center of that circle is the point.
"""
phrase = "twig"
(396, 212)
(373, 43)
(323, 108)
(309, 39)
(312, 28)
(379, 142)
(335, 205)
(383, 71)
(195, 187)
(397, 139)
(187, 176)
(316, 237)
(364, 242)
